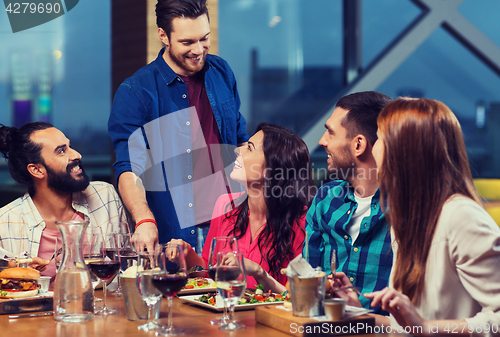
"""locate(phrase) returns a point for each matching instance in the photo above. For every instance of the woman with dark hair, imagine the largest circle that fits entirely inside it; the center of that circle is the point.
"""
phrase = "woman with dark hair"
(268, 218)
(446, 274)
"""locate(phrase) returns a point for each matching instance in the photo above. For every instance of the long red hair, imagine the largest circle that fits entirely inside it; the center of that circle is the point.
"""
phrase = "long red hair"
(425, 162)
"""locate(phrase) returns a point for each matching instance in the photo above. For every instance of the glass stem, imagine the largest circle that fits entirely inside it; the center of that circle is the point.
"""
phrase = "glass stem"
(231, 312)
(104, 297)
(150, 313)
(170, 325)
(225, 317)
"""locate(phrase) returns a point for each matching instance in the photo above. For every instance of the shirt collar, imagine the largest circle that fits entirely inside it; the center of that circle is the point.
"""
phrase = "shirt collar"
(168, 74)
(349, 196)
(32, 217)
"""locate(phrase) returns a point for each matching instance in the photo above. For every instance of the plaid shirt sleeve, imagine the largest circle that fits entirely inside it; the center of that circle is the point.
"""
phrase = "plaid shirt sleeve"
(367, 261)
(21, 225)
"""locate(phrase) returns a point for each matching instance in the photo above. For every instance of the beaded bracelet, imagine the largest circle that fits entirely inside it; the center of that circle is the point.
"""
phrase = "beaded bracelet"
(145, 220)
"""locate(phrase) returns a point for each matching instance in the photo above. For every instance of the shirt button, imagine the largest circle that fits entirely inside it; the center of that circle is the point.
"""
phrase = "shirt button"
(190, 205)
(188, 123)
(188, 150)
(178, 79)
(184, 96)
(346, 237)
(351, 279)
(192, 231)
(355, 249)
(349, 212)
(190, 176)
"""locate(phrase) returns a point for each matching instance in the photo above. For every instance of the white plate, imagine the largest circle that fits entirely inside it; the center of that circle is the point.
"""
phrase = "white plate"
(198, 290)
(219, 303)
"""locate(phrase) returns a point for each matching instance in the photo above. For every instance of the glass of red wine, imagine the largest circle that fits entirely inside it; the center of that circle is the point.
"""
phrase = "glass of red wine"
(220, 244)
(171, 280)
(91, 249)
(149, 264)
(231, 282)
(104, 268)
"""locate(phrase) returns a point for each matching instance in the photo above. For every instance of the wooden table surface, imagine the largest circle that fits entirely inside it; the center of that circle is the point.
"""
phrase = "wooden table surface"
(193, 319)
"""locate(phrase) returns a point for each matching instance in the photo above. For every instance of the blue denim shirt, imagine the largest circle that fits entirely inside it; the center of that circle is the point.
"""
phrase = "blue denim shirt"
(150, 126)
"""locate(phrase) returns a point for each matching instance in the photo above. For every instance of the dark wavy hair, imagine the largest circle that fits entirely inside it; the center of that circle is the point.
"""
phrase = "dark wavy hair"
(287, 193)
(168, 10)
(17, 147)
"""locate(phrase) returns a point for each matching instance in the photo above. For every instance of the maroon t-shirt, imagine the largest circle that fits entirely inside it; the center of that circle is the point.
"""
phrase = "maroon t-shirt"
(208, 182)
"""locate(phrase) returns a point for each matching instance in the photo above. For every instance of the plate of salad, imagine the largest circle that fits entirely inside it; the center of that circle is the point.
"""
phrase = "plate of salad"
(198, 285)
(250, 299)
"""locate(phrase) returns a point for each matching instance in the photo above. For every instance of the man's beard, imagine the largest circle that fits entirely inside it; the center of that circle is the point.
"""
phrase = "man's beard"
(183, 64)
(343, 164)
(64, 182)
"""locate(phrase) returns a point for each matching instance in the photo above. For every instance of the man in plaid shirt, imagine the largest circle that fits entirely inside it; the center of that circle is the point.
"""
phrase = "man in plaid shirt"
(40, 157)
(345, 216)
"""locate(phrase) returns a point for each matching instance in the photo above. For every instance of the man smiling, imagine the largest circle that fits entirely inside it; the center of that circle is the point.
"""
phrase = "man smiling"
(184, 103)
(40, 157)
(345, 216)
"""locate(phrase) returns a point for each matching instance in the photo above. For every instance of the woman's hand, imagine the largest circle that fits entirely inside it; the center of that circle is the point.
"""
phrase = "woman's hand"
(342, 281)
(186, 247)
(398, 305)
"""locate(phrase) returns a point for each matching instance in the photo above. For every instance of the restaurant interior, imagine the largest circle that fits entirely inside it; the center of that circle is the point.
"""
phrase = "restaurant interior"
(293, 59)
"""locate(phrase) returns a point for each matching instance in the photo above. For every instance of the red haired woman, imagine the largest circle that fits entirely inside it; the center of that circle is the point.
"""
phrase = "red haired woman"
(446, 275)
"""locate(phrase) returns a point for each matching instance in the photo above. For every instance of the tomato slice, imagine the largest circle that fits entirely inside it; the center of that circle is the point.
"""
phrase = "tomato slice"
(278, 296)
(200, 284)
(189, 286)
(259, 298)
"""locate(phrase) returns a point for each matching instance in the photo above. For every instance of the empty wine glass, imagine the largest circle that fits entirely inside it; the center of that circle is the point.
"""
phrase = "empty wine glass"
(105, 269)
(171, 280)
(231, 282)
(149, 264)
(220, 244)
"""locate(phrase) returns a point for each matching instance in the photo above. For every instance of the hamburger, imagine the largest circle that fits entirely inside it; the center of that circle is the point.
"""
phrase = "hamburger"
(19, 282)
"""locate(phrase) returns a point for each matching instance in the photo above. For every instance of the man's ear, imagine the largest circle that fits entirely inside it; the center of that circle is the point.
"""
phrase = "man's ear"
(359, 145)
(37, 170)
(163, 37)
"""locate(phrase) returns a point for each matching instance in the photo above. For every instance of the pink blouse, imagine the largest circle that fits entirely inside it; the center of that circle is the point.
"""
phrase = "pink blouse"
(249, 248)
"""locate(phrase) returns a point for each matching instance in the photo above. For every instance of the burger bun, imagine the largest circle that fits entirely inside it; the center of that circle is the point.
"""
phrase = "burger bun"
(20, 273)
(20, 294)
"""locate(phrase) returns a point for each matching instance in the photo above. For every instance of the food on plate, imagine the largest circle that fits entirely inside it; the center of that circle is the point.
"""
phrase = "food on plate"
(199, 283)
(251, 296)
(19, 282)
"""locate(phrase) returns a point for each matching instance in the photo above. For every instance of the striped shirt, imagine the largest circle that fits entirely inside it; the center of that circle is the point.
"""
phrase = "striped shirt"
(21, 224)
(367, 261)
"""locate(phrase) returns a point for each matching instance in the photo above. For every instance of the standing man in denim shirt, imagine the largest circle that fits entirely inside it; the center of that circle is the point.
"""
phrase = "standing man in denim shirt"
(174, 125)
(345, 214)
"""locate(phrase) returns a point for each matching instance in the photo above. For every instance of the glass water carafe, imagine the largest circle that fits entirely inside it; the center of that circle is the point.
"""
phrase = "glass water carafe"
(73, 292)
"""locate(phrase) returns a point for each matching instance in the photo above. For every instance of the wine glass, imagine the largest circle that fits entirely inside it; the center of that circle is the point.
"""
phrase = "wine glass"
(148, 266)
(91, 249)
(127, 251)
(105, 269)
(171, 280)
(231, 282)
(220, 244)
(128, 256)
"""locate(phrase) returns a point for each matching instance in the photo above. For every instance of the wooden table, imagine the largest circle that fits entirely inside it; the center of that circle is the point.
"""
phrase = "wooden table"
(194, 320)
